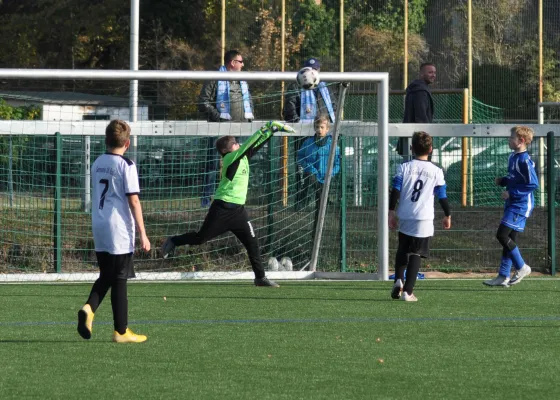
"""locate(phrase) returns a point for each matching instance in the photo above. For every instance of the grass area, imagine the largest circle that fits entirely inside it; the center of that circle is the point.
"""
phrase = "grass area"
(306, 340)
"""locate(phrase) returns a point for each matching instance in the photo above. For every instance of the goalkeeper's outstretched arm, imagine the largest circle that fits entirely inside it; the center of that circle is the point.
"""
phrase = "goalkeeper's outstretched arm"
(259, 138)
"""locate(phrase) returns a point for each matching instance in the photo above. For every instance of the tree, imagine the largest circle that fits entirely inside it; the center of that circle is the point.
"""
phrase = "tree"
(505, 54)
(376, 37)
(8, 112)
(315, 23)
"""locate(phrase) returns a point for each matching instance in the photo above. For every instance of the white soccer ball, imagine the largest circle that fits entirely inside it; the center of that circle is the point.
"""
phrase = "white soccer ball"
(308, 78)
(273, 264)
(286, 263)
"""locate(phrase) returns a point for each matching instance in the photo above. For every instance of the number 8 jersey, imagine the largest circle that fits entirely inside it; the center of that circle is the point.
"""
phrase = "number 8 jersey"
(418, 181)
(114, 177)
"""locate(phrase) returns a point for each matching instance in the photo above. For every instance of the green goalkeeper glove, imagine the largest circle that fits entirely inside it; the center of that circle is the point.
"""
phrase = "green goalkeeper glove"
(277, 126)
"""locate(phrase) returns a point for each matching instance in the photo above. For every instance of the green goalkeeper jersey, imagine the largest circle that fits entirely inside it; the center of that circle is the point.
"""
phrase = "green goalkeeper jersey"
(234, 181)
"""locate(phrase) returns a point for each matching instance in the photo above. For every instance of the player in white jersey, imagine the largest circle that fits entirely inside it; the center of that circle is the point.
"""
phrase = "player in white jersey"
(116, 212)
(414, 187)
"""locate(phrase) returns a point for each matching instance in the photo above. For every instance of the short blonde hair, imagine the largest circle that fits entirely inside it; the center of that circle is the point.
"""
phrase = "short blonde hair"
(321, 118)
(523, 132)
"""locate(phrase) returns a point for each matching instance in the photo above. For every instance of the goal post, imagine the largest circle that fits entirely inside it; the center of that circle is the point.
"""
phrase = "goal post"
(87, 133)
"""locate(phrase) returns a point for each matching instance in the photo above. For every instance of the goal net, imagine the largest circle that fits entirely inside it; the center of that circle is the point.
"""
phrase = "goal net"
(52, 135)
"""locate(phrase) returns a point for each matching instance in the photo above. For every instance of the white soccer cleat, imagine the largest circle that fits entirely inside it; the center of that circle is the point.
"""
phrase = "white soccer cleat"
(408, 297)
(500, 280)
(520, 274)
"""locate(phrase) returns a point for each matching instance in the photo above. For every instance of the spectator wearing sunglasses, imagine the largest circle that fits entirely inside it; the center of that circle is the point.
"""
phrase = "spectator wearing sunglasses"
(223, 101)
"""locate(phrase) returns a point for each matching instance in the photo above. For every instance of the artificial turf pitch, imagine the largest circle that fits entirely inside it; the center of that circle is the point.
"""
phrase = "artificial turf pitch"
(305, 340)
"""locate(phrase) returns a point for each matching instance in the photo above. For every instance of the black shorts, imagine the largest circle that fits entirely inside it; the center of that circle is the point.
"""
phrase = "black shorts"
(118, 266)
(414, 245)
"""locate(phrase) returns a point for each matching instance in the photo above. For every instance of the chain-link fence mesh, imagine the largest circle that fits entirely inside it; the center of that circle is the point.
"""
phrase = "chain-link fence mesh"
(173, 169)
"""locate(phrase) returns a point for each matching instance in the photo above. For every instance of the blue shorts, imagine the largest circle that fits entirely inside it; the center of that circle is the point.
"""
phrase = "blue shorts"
(514, 221)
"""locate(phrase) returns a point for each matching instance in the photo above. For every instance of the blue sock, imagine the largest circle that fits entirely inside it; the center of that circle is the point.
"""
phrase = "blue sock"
(505, 267)
(517, 259)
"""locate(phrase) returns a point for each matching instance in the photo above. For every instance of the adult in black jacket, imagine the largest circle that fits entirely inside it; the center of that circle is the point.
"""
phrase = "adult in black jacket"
(293, 100)
(419, 103)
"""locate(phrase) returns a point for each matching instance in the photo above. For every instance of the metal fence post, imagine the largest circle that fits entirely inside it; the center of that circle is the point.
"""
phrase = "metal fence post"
(11, 196)
(270, 200)
(57, 228)
(325, 190)
(343, 204)
(86, 202)
(551, 203)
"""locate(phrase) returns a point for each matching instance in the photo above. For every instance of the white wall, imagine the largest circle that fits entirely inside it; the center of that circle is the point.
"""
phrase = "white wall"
(55, 112)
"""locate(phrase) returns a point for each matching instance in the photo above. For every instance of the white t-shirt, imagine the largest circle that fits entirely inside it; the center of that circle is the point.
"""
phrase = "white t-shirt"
(417, 180)
(114, 177)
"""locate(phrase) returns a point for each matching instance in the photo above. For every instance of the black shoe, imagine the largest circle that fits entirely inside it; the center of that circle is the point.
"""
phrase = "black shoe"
(397, 290)
(265, 282)
(168, 248)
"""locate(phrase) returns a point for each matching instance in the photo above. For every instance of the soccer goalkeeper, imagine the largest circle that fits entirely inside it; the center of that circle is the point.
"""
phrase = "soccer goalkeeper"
(227, 212)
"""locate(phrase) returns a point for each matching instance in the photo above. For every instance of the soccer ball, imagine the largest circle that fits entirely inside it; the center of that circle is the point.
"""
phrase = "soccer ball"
(308, 78)
(273, 264)
(286, 263)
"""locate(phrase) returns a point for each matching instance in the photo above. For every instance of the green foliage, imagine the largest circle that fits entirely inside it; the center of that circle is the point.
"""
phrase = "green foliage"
(182, 19)
(388, 15)
(95, 34)
(8, 112)
(65, 34)
(551, 84)
(318, 24)
(375, 36)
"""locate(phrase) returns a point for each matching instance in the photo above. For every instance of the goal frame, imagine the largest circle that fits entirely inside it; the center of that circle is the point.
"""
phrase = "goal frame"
(380, 78)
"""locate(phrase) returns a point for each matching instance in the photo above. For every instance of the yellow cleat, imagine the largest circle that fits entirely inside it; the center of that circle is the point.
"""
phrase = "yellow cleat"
(128, 337)
(85, 321)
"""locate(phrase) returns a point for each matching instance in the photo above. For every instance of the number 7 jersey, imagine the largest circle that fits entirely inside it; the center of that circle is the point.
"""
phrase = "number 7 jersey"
(114, 178)
(418, 181)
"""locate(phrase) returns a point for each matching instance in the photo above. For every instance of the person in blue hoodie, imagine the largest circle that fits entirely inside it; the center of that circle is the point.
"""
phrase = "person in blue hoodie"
(520, 184)
(313, 157)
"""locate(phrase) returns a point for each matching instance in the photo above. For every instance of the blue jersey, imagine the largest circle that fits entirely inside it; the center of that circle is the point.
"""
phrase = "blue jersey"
(520, 182)
(313, 156)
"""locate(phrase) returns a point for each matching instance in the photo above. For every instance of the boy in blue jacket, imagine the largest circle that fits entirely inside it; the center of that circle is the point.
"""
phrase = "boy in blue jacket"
(520, 183)
(313, 157)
